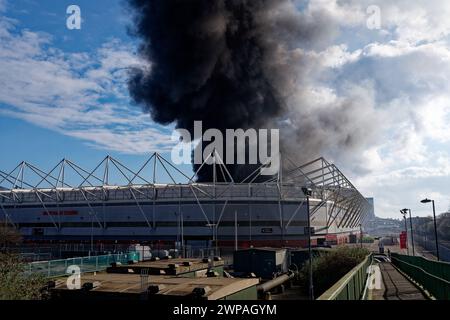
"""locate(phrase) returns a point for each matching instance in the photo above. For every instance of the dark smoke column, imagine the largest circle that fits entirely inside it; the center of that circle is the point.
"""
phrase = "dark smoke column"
(208, 62)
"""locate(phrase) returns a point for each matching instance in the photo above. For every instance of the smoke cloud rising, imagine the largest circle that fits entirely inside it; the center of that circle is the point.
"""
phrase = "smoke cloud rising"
(240, 64)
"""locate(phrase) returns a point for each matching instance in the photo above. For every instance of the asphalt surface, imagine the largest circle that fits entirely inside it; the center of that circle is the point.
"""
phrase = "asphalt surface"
(397, 286)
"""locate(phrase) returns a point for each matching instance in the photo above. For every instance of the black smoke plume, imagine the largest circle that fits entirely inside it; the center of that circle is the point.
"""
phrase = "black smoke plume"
(230, 63)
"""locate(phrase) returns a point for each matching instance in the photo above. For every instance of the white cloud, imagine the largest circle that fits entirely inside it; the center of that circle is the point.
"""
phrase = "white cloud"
(399, 81)
(435, 117)
(82, 95)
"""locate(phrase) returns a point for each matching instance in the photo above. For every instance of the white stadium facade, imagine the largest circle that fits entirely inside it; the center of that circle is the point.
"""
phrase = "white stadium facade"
(115, 203)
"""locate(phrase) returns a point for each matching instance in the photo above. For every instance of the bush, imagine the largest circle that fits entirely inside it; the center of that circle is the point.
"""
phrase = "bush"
(330, 267)
(8, 237)
(367, 239)
(15, 284)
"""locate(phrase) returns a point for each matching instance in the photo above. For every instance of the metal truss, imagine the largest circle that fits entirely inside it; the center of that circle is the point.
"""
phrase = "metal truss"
(158, 180)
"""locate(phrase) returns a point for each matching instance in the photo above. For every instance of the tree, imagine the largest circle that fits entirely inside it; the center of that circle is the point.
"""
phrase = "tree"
(15, 282)
(444, 228)
(9, 236)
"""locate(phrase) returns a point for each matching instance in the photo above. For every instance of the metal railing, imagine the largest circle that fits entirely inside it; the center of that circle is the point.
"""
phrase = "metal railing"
(58, 268)
(352, 285)
(434, 276)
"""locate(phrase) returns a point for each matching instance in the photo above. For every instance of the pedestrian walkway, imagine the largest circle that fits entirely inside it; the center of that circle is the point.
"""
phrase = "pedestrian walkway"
(397, 286)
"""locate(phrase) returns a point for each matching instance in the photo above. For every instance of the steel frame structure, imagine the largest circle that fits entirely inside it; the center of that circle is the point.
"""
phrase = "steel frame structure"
(27, 184)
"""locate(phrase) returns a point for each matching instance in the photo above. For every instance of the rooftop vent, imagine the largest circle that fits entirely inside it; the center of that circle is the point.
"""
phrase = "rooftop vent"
(201, 291)
(155, 288)
(91, 285)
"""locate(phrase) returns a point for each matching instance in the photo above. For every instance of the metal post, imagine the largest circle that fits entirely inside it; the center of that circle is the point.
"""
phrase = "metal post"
(412, 233)
(235, 231)
(216, 250)
(361, 235)
(311, 285)
(211, 248)
(92, 233)
(182, 236)
(435, 232)
(406, 230)
(178, 227)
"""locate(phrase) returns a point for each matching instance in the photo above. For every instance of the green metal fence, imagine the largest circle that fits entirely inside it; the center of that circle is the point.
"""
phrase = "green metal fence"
(352, 285)
(434, 276)
(58, 268)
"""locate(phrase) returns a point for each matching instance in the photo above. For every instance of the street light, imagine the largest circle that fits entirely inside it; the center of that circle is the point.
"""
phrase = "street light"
(361, 234)
(406, 229)
(435, 226)
(308, 193)
(404, 211)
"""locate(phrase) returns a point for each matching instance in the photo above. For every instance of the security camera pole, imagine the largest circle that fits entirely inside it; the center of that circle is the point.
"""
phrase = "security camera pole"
(308, 193)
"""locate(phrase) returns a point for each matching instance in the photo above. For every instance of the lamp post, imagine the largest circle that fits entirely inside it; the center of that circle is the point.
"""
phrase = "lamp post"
(182, 236)
(178, 228)
(404, 211)
(361, 234)
(235, 231)
(406, 229)
(435, 226)
(92, 235)
(214, 240)
(308, 193)
(180, 232)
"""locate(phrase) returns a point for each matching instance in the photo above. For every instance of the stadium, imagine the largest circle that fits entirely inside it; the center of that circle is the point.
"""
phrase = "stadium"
(159, 202)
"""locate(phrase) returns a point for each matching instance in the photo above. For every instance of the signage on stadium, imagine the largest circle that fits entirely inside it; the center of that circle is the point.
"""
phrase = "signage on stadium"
(60, 213)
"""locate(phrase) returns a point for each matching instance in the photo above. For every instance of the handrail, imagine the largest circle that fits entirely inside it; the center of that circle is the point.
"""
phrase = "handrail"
(352, 285)
(422, 270)
(370, 272)
(434, 284)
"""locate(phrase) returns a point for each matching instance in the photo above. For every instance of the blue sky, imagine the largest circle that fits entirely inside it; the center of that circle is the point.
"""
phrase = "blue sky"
(102, 20)
(104, 23)
(63, 92)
